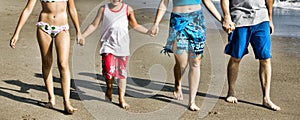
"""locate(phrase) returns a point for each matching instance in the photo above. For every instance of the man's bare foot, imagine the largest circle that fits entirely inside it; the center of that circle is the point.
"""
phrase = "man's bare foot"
(269, 104)
(231, 99)
(123, 104)
(193, 107)
(178, 94)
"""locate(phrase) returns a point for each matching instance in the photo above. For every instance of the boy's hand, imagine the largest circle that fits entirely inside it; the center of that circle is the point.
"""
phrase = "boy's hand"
(228, 25)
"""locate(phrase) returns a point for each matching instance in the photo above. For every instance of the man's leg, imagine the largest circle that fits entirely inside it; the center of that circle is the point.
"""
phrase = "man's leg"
(232, 73)
(265, 79)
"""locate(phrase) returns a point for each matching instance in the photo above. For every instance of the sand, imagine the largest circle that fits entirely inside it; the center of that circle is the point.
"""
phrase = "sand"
(149, 91)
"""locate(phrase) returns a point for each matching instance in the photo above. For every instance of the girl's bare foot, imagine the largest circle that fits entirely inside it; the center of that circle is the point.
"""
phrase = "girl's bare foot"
(269, 104)
(193, 107)
(178, 93)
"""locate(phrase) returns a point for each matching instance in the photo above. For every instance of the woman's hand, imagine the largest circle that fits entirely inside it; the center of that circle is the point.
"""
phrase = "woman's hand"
(153, 30)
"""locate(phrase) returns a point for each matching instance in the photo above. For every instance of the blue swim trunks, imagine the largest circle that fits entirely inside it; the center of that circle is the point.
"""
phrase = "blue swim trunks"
(187, 32)
(259, 37)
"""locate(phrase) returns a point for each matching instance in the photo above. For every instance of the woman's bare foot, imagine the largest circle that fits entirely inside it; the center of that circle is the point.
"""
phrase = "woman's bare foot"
(69, 109)
(47, 104)
(269, 104)
(193, 107)
(123, 104)
(178, 93)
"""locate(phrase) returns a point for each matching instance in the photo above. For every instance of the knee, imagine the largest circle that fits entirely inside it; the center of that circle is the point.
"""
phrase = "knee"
(235, 60)
(265, 62)
(63, 65)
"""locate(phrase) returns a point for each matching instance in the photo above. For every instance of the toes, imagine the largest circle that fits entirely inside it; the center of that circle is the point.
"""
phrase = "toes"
(231, 99)
(193, 107)
(178, 96)
(272, 106)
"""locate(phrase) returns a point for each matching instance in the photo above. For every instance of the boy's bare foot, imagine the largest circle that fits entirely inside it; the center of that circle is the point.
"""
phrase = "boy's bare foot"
(269, 104)
(178, 94)
(231, 99)
(108, 94)
(123, 104)
(108, 97)
(193, 107)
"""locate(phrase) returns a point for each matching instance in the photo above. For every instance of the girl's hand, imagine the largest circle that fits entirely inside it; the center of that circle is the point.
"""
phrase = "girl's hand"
(13, 41)
(80, 39)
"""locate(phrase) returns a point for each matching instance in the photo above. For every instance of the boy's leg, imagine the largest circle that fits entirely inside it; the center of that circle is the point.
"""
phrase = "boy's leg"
(122, 89)
(109, 85)
(179, 68)
(108, 63)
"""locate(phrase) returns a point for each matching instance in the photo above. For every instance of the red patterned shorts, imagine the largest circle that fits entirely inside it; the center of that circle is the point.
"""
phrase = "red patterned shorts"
(114, 66)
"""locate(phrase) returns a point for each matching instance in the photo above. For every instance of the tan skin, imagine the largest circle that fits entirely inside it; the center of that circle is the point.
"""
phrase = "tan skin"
(53, 13)
(183, 60)
(233, 64)
(114, 5)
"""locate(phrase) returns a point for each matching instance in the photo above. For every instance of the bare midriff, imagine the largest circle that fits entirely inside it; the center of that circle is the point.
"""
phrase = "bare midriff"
(186, 8)
(54, 13)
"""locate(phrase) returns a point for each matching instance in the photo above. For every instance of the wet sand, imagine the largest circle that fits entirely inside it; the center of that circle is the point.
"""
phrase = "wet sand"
(149, 91)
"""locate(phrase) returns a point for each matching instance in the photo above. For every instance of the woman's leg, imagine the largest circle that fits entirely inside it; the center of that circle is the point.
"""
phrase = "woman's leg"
(62, 45)
(194, 78)
(45, 44)
(179, 68)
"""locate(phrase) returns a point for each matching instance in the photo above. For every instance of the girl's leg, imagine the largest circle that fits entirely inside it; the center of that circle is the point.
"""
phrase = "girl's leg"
(179, 68)
(194, 78)
(122, 89)
(62, 45)
(45, 44)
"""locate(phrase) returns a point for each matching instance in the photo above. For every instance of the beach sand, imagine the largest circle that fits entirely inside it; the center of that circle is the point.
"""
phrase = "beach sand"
(22, 86)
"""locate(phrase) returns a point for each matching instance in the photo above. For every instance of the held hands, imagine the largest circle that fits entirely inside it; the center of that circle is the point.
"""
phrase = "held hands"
(80, 39)
(153, 30)
(228, 25)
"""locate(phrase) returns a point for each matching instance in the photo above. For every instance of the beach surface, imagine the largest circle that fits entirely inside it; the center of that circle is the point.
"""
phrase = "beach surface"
(150, 83)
